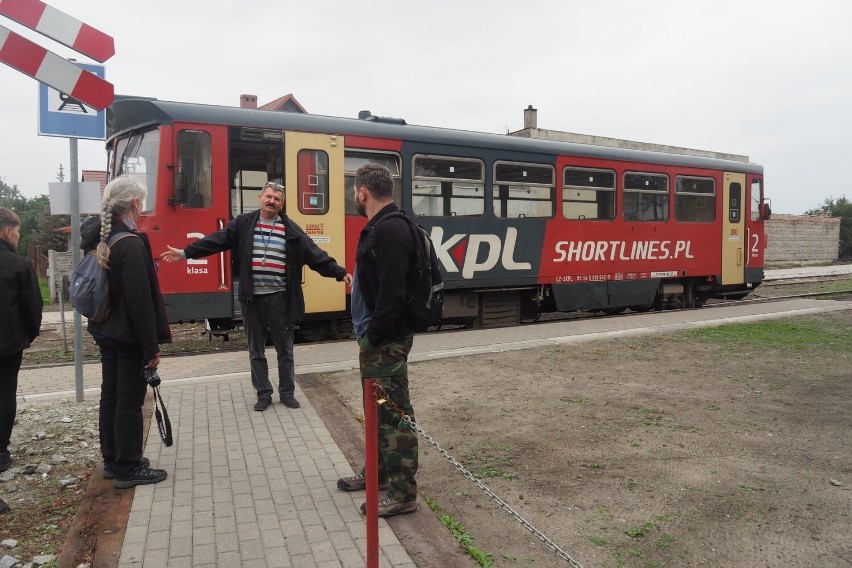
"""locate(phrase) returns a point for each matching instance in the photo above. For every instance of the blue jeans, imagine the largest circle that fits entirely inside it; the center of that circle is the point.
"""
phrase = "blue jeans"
(264, 317)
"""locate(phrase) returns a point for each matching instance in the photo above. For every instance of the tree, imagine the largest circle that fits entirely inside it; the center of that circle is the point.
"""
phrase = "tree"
(840, 207)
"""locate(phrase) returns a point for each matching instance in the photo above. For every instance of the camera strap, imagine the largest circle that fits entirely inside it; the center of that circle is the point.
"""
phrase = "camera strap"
(164, 425)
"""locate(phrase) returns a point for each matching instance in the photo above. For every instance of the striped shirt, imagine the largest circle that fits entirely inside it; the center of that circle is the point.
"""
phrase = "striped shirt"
(269, 257)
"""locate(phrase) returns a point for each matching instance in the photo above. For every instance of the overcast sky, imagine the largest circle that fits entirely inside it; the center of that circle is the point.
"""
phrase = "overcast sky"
(768, 79)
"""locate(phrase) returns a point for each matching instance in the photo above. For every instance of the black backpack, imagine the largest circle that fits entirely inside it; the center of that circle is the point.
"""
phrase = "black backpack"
(89, 287)
(425, 300)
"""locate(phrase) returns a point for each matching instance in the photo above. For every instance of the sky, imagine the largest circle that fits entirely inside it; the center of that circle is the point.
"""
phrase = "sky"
(771, 80)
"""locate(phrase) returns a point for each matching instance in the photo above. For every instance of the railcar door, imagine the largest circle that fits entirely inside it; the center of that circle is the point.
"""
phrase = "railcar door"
(733, 229)
(315, 201)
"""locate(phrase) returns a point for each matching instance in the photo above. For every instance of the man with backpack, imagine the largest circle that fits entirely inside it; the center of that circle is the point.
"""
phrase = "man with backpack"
(380, 291)
(20, 312)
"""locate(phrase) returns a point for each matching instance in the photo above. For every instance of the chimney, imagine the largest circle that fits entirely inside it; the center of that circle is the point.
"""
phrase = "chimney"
(530, 118)
(248, 101)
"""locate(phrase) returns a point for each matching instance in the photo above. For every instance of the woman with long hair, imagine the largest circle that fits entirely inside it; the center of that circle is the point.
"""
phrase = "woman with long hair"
(130, 336)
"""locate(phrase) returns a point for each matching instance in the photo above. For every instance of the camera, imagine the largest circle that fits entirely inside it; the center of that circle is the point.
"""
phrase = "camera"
(151, 376)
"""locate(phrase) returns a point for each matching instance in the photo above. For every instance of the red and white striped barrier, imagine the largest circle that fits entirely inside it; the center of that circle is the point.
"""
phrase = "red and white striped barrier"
(33, 60)
(61, 27)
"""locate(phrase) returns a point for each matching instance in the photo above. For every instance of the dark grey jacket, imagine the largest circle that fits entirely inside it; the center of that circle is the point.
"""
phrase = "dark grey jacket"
(301, 251)
(20, 301)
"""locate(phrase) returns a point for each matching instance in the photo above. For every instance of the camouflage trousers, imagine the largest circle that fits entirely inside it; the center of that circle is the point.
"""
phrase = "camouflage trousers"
(387, 364)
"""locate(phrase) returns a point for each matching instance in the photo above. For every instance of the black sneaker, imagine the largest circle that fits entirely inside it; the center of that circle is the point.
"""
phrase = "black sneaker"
(262, 404)
(141, 475)
(5, 461)
(290, 401)
(109, 474)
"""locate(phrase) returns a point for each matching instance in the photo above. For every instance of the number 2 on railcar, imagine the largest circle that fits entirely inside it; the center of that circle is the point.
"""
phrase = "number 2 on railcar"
(521, 226)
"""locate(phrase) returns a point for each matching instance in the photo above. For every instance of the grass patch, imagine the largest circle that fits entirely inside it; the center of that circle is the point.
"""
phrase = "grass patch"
(800, 335)
(461, 535)
(491, 462)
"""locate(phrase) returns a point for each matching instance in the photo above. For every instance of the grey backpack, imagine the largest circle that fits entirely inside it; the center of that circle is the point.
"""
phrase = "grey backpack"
(89, 287)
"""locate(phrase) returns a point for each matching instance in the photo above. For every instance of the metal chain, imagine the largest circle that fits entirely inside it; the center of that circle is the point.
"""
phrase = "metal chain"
(382, 398)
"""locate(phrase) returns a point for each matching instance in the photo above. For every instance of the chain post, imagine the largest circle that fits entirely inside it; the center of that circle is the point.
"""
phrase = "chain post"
(371, 469)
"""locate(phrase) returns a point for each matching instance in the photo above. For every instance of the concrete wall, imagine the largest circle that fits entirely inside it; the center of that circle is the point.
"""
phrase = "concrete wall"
(802, 239)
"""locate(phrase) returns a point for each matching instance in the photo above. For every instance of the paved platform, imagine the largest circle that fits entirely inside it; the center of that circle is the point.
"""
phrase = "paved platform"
(257, 489)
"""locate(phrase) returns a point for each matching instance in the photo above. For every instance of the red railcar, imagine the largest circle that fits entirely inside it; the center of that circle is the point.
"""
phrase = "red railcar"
(521, 226)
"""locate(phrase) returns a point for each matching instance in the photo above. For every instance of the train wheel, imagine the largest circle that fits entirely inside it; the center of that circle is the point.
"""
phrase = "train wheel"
(613, 311)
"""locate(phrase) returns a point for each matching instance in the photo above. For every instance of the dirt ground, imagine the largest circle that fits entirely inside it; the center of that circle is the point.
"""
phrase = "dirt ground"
(660, 451)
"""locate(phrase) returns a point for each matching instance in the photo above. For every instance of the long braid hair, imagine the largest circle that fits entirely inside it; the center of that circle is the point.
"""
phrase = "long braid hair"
(118, 200)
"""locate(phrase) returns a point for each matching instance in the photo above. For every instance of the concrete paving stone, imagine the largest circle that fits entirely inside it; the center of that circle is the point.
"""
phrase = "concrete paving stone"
(203, 535)
(136, 534)
(315, 481)
(310, 517)
(202, 503)
(292, 527)
(395, 552)
(184, 498)
(341, 540)
(158, 557)
(227, 542)
(161, 508)
(333, 522)
(246, 515)
(181, 530)
(316, 534)
(248, 531)
(272, 537)
(297, 545)
(138, 518)
(228, 559)
(297, 489)
(203, 553)
(225, 525)
(203, 490)
(265, 507)
(201, 519)
(323, 552)
(351, 558)
(256, 563)
(156, 540)
(182, 513)
(252, 549)
(278, 558)
(180, 545)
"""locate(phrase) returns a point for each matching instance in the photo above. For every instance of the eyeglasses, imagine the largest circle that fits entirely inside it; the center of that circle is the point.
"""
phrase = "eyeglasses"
(273, 184)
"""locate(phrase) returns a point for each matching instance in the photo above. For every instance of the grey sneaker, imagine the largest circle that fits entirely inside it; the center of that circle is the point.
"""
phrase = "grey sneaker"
(388, 507)
(357, 482)
(140, 476)
(109, 474)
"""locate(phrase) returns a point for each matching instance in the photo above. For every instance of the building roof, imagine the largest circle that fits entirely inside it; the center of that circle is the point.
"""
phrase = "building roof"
(287, 103)
(95, 175)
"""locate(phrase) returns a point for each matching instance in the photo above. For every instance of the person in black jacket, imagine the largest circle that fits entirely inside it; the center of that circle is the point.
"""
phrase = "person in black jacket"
(272, 250)
(379, 292)
(20, 312)
(130, 337)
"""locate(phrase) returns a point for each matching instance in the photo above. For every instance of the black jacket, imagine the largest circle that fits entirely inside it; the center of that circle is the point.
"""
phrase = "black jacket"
(301, 251)
(20, 301)
(382, 273)
(137, 312)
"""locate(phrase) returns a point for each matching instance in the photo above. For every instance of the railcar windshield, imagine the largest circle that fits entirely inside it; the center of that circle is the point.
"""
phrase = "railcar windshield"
(136, 156)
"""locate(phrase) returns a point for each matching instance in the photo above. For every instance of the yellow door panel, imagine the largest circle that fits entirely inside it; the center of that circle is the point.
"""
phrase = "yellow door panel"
(315, 201)
(733, 229)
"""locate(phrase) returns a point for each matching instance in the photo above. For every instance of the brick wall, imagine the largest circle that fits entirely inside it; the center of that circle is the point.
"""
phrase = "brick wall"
(802, 238)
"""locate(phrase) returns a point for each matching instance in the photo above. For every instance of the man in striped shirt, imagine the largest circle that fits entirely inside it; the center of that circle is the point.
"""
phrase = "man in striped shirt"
(272, 250)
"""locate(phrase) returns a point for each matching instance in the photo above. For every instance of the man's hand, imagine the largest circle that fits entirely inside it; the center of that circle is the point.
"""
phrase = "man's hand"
(347, 280)
(172, 255)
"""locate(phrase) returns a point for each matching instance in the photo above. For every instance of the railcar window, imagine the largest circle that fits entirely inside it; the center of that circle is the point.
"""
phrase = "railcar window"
(312, 179)
(195, 161)
(695, 199)
(137, 158)
(354, 160)
(588, 194)
(646, 197)
(755, 199)
(447, 187)
(523, 190)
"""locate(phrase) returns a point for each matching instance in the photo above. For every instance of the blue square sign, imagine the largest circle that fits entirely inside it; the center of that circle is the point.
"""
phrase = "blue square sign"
(61, 114)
